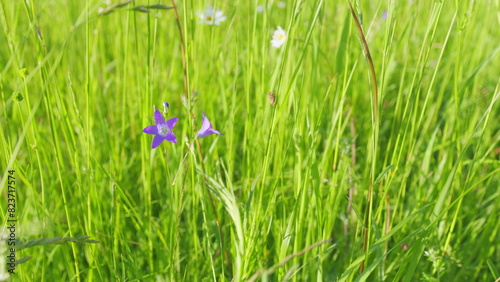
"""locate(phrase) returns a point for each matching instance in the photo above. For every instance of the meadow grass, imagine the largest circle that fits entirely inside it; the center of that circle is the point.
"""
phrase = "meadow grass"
(320, 184)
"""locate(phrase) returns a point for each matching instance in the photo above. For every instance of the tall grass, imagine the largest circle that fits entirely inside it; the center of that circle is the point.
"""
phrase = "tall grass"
(284, 193)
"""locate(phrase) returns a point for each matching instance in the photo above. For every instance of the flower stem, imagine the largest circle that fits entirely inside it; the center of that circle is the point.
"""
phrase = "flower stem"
(375, 124)
(226, 255)
(186, 89)
(183, 48)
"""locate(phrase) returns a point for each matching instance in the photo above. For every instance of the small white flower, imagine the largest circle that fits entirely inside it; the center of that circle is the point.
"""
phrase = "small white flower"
(260, 9)
(211, 16)
(279, 37)
(281, 4)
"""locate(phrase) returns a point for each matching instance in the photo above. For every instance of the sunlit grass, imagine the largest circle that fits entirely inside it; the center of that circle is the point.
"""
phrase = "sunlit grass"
(283, 194)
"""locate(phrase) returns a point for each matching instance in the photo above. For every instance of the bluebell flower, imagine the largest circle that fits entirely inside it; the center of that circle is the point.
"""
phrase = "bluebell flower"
(206, 128)
(162, 130)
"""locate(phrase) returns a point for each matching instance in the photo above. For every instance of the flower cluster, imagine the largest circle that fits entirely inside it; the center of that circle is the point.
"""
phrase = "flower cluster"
(213, 16)
(163, 130)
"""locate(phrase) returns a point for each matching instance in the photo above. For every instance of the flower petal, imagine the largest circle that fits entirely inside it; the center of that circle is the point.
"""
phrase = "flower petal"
(171, 137)
(209, 10)
(152, 129)
(219, 13)
(157, 141)
(205, 123)
(159, 117)
(201, 134)
(213, 131)
(171, 122)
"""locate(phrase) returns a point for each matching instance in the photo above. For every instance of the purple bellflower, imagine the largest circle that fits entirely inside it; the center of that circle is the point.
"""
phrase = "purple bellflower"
(206, 128)
(162, 130)
(384, 15)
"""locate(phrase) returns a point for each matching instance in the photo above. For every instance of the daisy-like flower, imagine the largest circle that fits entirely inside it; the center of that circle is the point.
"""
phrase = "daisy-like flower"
(162, 130)
(279, 37)
(260, 9)
(211, 16)
(206, 128)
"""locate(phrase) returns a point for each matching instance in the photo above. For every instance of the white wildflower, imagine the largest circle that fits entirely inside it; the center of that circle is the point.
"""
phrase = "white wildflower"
(211, 16)
(279, 37)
